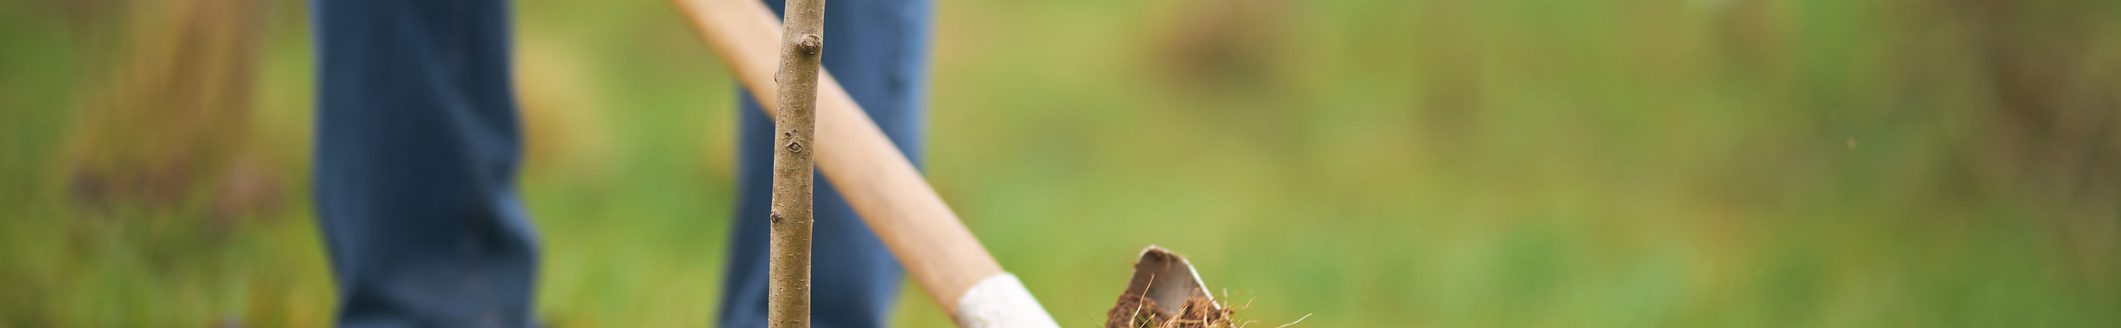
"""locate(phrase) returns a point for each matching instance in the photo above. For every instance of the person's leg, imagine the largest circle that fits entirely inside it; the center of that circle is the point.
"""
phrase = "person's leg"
(417, 149)
(879, 51)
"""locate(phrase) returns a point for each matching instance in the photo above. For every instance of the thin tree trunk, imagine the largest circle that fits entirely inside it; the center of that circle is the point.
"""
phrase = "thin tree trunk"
(802, 47)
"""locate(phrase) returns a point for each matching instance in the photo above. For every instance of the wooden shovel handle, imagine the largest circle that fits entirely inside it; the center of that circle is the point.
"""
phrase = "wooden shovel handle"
(870, 172)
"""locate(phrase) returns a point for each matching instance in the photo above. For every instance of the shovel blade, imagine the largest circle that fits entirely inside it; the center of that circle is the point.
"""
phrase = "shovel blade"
(1169, 280)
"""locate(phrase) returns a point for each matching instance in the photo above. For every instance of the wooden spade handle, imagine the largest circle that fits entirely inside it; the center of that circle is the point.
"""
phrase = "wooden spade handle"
(936, 249)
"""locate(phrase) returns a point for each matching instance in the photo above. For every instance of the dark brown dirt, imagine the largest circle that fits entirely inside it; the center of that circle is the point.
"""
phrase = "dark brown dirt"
(1135, 311)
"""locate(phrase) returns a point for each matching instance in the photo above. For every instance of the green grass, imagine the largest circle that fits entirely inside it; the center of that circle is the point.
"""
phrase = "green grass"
(1368, 163)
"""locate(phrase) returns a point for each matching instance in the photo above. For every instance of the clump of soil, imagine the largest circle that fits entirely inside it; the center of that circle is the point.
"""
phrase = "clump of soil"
(1137, 311)
(1179, 300)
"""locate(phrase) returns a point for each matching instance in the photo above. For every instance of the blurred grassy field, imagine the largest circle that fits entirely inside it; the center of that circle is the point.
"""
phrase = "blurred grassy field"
(1730, 163)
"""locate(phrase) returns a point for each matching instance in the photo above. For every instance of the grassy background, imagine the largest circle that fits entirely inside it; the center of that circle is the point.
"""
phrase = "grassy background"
(1732, 163)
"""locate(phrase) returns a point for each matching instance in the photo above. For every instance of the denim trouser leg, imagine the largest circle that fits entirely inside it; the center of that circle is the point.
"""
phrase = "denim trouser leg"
(878, 50)
(416, 152)
(418, 144)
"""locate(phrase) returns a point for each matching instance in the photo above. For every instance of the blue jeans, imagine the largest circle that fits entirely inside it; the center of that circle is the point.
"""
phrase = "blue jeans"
(418, 146)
